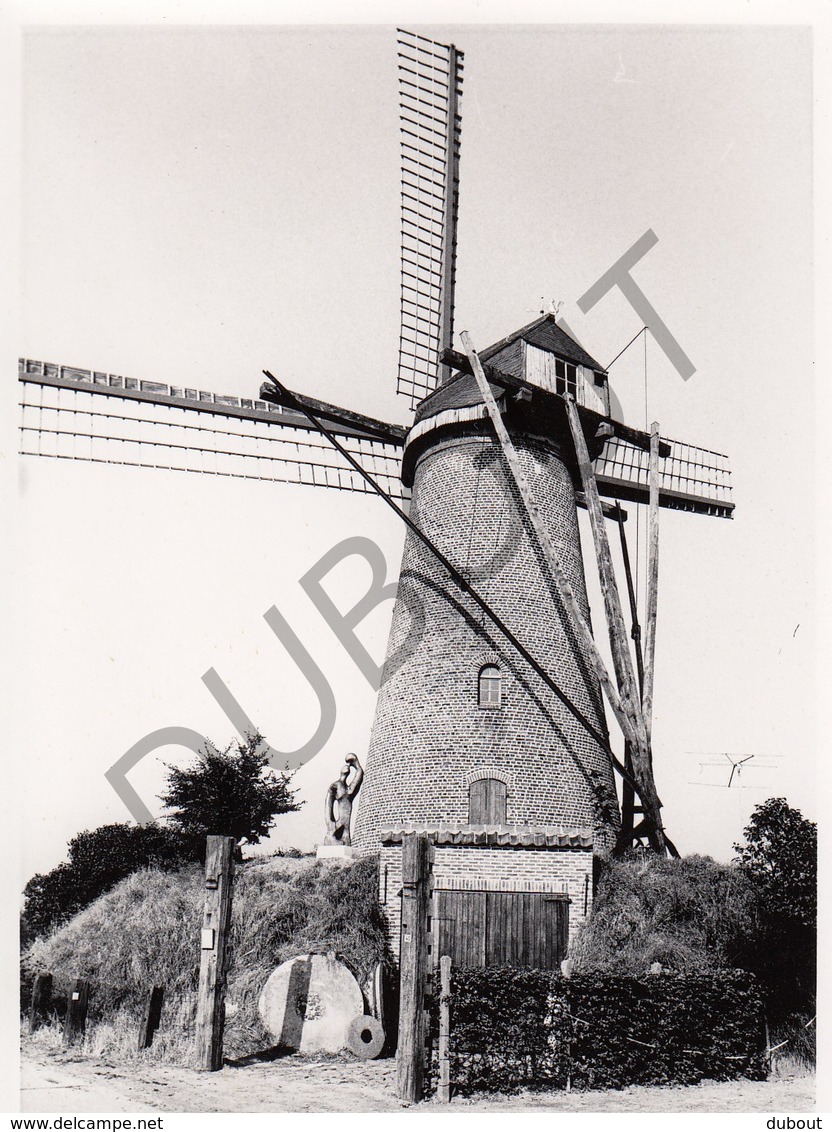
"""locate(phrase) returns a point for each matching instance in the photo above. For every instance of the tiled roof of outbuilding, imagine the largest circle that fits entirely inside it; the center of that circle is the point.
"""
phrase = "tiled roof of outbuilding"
(520, 836)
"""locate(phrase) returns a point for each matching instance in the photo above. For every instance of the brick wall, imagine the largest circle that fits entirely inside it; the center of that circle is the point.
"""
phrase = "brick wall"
(496, 870)
(429, 735)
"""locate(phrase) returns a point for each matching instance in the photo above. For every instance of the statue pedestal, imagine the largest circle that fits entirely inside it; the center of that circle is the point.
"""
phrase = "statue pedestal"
(337, 853)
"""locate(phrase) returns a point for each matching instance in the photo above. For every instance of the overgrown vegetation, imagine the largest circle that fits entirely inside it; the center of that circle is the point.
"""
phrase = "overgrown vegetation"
(234, 793)
(693, 915)
(512, 1028)
(97, 860)
(689, 915)
(146, 932)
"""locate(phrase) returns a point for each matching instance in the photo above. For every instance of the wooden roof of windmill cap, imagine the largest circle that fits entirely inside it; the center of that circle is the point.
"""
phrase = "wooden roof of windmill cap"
(545, 334)
(534, 369)
(536, 366)
(511, 357)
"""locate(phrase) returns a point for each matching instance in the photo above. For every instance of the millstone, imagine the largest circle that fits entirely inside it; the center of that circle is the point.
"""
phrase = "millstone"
(308, 1003)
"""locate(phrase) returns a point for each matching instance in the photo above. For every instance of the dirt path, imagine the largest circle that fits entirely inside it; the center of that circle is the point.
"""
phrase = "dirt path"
(69, 1083)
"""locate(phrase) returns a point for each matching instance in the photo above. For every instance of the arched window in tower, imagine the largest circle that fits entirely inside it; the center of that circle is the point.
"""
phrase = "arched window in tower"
(490, 687)
(487, 798)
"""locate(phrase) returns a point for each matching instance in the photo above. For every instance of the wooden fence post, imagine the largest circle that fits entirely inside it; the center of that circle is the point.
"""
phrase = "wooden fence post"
(410, 1057)
(41, 1001)
(151, 1017)
(210, 1007)
(445, 1029)
(75, 1022)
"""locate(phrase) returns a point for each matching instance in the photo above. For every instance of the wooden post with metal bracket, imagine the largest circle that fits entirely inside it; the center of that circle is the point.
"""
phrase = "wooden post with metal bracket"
(216, 919)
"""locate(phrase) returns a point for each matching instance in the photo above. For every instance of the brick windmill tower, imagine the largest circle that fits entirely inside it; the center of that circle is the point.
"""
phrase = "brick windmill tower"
(489, 735)
(467, 743)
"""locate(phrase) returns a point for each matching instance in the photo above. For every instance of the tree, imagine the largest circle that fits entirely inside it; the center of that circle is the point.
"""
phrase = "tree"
(779, 856)
(233, 793)
(99, 859)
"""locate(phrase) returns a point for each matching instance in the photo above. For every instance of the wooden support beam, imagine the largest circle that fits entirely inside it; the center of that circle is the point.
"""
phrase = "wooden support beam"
(628, 805)
(445, 1029)
(357, 422)
(151, 1017)
(622, 661)
(75, 1022)
(635, 627)
(41, 1004)
(413, 967)
(628, 797)
(652, 579)
(216, 919)
(579, 622)
(611, 510)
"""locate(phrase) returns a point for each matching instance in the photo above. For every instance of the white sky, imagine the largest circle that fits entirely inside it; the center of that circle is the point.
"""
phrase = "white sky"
(201, 203)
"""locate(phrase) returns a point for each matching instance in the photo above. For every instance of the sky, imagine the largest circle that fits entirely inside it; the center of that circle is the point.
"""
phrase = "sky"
(200, 203)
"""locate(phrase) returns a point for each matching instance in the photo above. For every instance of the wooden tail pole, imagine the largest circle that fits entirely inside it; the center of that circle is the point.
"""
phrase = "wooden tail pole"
(75, 1022)
(445, 1029)
(581, 625)
(41, 1001)
(216, 919)
(413, 967)
(652, 578)
(623, 663)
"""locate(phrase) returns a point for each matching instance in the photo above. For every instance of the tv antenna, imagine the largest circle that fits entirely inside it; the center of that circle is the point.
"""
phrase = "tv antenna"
(736, 762)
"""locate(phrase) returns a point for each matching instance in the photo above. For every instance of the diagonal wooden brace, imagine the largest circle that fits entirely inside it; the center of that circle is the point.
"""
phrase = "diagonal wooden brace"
(652, 579)
(622, 660)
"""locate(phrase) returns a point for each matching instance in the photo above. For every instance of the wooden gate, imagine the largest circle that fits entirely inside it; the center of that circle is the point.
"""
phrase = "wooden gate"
(501, 929)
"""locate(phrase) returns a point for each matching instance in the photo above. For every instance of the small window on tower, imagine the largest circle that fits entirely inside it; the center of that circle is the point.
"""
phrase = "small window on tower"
(490, 686)
(566, 378)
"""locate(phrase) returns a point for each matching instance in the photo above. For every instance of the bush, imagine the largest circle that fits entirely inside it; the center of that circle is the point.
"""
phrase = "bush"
(99, 859)
(512, 1028)
(234, 793)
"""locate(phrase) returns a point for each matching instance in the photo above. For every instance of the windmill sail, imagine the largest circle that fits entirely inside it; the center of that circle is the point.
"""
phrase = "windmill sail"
(430, 86)
(76, 414)
(690, 478)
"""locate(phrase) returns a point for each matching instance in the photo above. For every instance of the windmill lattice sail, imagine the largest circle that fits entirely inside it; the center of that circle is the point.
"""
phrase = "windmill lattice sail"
(430, 86)
(690, 478)
(76, 414)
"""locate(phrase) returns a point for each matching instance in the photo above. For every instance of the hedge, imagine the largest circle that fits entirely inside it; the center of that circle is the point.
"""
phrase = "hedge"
(514, 1028)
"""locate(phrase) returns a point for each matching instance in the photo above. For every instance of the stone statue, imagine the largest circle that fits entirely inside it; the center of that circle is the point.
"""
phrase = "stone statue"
(339, 799)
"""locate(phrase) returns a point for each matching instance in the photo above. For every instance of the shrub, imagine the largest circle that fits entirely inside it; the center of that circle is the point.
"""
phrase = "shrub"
(234, 793)
(535, 1029)
(779, 860)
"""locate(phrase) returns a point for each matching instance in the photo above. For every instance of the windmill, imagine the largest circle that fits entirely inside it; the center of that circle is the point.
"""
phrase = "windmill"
(493, 714)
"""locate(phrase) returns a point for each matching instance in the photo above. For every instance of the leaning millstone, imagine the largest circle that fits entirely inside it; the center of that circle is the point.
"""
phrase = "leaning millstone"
(308, 1002)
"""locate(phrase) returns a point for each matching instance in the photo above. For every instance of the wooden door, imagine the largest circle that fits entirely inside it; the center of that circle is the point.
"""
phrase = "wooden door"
(461, 920)
(487, 799)
(502, 929)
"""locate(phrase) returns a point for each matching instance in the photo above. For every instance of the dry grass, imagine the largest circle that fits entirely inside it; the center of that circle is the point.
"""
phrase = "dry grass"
(146, 931)
(690, 915)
